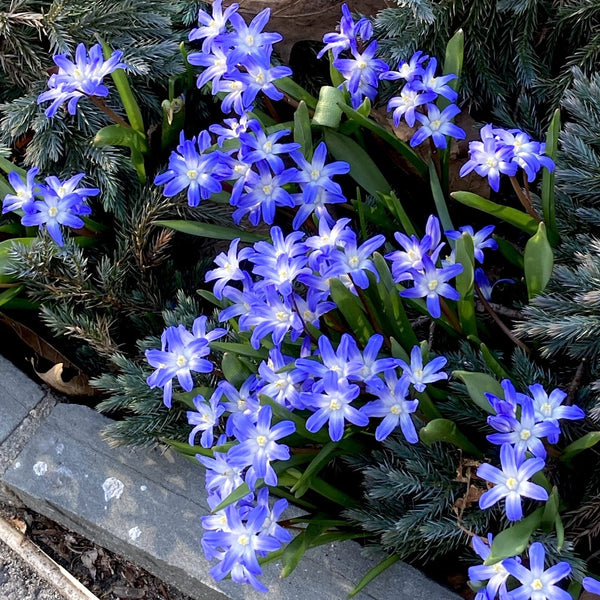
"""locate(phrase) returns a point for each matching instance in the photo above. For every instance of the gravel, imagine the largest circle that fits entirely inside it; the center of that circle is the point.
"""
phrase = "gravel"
(19, 582)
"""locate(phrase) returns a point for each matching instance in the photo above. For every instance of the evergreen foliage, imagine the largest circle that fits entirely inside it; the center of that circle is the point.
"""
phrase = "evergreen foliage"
(518, 53)
(565, 320)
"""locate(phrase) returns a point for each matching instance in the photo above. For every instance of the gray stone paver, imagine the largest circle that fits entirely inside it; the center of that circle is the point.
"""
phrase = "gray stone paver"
(18, 395)
(147, 506)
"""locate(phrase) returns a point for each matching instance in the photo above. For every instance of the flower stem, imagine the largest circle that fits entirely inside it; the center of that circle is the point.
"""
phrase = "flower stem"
(524, 199)
(108, 111)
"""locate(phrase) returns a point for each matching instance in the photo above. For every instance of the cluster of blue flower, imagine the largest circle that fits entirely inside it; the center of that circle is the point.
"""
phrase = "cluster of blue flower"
(82, 77)
(502, 151)
(522, 421)
(422, 88)
(237, 60)
(51, 205)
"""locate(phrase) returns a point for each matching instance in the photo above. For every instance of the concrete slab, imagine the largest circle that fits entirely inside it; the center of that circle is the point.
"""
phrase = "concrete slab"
(18, 395)
(147, 506)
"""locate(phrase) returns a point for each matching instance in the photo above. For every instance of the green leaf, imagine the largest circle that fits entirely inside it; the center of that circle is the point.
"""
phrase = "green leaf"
(371, 574)
(511, 215)
(337, 79)
(464, 252)
(579, 445)
(234, 370)
(538, 262)
(492, 362)
(548, 210)
(188, 450)
(119, 135)
(509, 252)
(327, 112)
(302, 132)
(187, 398)
(291, 88)
(7, 295)
(241, 349)
(352, 310)
(393, 204)
(445, 430)
(453, 63)
(9, 167)
(362, 167)
(132, 109)
(550, 511)
(236, 495)
(440, 201)
(478, 384)
(298, 546)
(208, 230)
(514, 540)
(396, 320)
(387, 136)
(5, 188)
(330, 492)
(327, 452)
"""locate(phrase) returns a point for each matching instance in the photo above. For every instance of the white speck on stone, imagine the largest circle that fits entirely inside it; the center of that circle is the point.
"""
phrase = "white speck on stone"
(40, 468)
(65, 471)
(113, 489)
(134, 533)
(143, 488)
(86, 475)
(17, 465)
(60, 448)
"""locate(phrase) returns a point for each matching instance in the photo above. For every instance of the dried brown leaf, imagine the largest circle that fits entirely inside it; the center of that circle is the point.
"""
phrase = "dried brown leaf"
(77, 386)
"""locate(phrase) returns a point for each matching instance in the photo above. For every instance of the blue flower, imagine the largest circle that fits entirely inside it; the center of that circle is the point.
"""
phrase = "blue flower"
(328, 240)
(234, 90)
(243, 402)
(264, 192)
(511, 481)
(316, 174)
(259, 77)
(489, 159)
(393, 405)
(407, 103)
(271, 526)
(361, 73)
(371, 364)
(258, 446)
(234, 128)
(278, 383)
(190, 168)
(217, 64)
(437, 125)
(348, 32)
(431, 283)
(25, 191)
(481, 239)
(525, 433)
(495, 575)
(83, 77)
(249, 40)
(332, 405)
(205, 419)
(211, 26)
(418, 375)
(265, 147)
(591, 585)
(228, 267)
(410, 70)
(485, 286)
(52, 211)
(537, 583)
(356, 261)
(221, 477)
(428, 82)
(549, 408)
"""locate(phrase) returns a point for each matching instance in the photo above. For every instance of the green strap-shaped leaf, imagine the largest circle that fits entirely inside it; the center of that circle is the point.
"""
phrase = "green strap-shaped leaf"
(387, 136)
(187, 398)
(10, 294)
(579, 445)
(453, 63)
(234, 370)
(514, 540)
(302, 132)
(394, 206)
(119, 135)
(327, 452)
(374, 572)
(327, 112)
(298, 546)
(492, 362)
(362, 167)
(337, 79)
(538, 262)
(445, 430)
(293, 90)
(352, 310)
(132, 108)
(208, 230)
(8, 167)
(548, 210)
(187, 450)
(464, 252)
(478, 384)
(5, 188)
(511, 215)
(509, 252)
(241, 349)
(440, 201)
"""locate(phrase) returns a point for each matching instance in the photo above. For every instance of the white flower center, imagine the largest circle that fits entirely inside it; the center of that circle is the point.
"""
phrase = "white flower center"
(512, 483)
(537, 584)
(268, 147)
(267, 189)
(261, 440)
(395, 410)
(335, 404)
(432, 285)
(181, 361)
(315, 174)
(52, 211)
(491, 162)
(192, 174)
(435, 124)
(243, 540)
(546, 409)
(525, 434)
